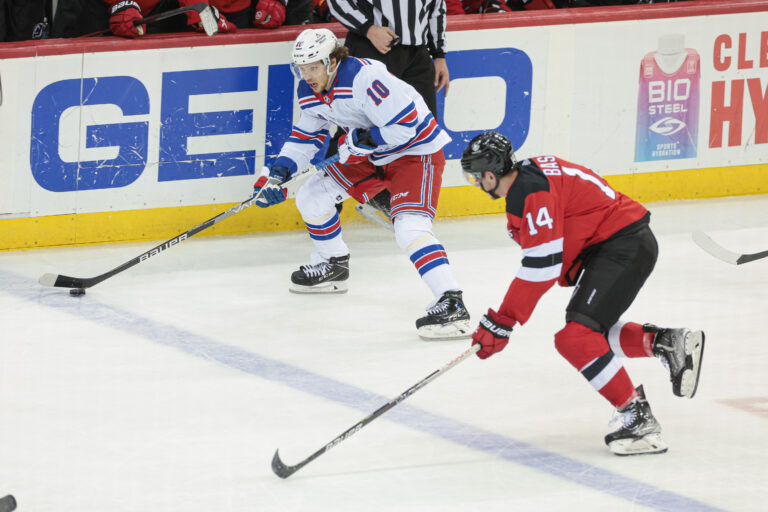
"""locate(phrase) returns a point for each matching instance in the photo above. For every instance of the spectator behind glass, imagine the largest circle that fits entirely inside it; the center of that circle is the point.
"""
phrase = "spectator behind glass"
(321, 13)
(124, 13)
(491, 6)
(21, 20)
(266, 13)
(80, 17)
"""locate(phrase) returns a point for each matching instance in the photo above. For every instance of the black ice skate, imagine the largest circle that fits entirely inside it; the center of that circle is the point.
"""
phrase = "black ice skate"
(640, 433)
(680, 350)
(324, 277)
(448, 319)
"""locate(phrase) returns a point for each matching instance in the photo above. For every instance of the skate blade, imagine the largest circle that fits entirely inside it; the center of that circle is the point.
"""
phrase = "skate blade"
(694, 346)
(459, 330)
(329, 287)
(649, 444)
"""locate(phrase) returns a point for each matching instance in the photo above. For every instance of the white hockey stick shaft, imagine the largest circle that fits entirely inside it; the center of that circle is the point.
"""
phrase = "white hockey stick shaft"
(721, 253)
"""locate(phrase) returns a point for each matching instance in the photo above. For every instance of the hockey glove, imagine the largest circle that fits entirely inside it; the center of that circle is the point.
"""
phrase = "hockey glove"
(193, 18)
(269, 14)
(269, 186)
(355, 146)
(492, 333)
(495, 6)
(122, 15)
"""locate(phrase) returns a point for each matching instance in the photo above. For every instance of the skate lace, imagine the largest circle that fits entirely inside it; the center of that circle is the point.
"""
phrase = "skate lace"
(623, 419)
(315, 270)
(440, 307)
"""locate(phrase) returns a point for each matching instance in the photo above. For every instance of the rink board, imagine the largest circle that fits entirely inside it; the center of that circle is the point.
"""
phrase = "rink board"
(102, 144)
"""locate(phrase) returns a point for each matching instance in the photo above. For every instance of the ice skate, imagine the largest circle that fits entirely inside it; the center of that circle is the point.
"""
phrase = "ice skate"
(681, 351)
(639, 433)
(448, 319)
(323, 277)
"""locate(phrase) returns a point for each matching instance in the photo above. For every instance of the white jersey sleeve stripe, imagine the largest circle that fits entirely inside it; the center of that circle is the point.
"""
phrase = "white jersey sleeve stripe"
(540, 275)
(545, 249)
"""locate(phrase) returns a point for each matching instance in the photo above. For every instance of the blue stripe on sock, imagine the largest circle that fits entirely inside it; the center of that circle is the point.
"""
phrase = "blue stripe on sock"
(426, 250)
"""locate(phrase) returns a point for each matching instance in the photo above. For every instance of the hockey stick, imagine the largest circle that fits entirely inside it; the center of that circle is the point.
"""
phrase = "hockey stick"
(8, 503)
(207, 19)
(370, 213)
(284, 471)
(721, 253)
(80, 283)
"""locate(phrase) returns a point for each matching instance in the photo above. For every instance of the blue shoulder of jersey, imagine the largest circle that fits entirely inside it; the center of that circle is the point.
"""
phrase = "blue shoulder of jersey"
(348, 70)
(305, 96)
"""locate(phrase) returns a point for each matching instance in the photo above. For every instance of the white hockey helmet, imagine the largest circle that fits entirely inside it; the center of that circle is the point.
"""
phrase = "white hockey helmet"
(312, 45)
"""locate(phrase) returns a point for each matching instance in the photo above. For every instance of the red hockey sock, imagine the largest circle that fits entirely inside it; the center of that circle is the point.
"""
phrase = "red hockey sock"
(588, 352)
(628, 339)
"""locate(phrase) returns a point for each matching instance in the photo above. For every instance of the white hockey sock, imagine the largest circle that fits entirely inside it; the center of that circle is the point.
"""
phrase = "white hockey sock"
(326, 235)
(414, 236)
(316, 201)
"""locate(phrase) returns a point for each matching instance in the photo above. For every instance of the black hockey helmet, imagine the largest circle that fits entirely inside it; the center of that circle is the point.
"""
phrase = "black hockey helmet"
(489, 151)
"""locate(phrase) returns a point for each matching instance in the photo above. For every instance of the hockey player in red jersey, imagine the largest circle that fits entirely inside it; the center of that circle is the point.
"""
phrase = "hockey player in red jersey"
(391, 141)
(574, 229)
(123, 14)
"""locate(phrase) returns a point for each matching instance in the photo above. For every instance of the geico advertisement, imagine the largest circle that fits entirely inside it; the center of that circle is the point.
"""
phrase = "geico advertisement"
(164, 127)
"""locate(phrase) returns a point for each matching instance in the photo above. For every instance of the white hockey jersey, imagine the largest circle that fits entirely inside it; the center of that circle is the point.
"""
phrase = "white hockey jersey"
(364, 95)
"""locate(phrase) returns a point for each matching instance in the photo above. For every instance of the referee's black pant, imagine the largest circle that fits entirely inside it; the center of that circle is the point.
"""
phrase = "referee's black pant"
(412, 64)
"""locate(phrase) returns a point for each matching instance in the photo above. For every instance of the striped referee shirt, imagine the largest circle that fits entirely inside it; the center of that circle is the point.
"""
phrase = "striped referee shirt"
(417, 22)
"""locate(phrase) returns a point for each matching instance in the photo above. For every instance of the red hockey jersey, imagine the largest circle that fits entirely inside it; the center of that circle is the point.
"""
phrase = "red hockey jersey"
(556, 209)
(222, 5)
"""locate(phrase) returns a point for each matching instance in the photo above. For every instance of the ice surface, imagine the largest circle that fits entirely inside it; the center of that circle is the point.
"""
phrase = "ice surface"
(168, 387)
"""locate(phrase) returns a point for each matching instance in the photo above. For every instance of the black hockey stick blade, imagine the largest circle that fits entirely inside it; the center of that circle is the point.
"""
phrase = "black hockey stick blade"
(284, 471)
(207, 19)
(8, 503)
(62, 281)
(721, 253)
(280, 469)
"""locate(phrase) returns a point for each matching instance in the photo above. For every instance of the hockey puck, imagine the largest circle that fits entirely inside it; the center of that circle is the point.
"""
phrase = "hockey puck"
(8, 504)
(77, 291)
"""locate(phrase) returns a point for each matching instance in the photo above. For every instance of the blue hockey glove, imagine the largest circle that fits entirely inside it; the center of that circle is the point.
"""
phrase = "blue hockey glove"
(269, 186)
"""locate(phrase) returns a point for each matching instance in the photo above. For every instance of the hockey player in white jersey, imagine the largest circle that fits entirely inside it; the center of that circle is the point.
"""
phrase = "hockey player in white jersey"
(392, 141)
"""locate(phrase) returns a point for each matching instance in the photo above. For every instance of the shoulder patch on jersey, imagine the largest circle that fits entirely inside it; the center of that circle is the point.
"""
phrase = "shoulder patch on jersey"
(529, 181)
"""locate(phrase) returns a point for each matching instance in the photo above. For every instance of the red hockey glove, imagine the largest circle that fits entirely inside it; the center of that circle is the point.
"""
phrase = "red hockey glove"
(193, 18)
(121, 18)
(269, 14)
(496, 6)
(453, 7)
(492, 333)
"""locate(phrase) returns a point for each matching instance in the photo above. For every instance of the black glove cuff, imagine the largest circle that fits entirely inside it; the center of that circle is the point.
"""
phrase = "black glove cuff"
(500, 331)
(124, 5)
